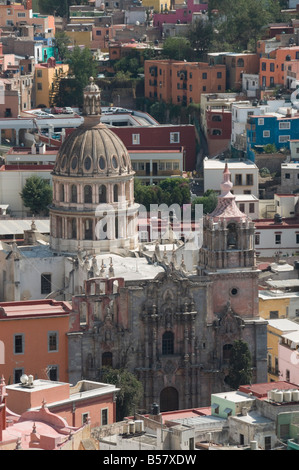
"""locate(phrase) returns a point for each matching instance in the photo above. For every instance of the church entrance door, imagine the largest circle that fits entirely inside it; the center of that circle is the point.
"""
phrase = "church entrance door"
(169, 399)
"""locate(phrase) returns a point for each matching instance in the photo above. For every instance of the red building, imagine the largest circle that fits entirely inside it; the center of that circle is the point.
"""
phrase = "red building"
(218, 130)
(161, 137)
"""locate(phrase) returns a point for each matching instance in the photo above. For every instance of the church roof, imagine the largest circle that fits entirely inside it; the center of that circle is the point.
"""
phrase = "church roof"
(92, 149)
(226, 207)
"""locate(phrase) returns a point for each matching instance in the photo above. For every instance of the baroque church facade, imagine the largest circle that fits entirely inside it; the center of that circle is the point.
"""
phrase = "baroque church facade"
(167, 316)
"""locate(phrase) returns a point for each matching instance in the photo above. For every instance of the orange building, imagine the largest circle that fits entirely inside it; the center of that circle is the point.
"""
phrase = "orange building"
(182, 82)
(87, 401)
(274, 64)
(33, 339)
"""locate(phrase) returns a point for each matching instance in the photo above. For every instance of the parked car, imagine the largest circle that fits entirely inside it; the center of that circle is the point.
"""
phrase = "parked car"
(67, 110)
(56, 110)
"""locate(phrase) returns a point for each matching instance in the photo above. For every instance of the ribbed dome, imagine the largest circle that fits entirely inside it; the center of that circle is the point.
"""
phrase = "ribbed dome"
(92, 150)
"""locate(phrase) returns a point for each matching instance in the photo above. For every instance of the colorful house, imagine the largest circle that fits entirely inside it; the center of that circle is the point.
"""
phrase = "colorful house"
(273, 66)
(182, 82)
(33, 338)
(182, 14)
(45, 76)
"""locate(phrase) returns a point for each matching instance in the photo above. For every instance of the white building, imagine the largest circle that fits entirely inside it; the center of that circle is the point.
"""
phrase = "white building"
(250, 84)
(244, 175)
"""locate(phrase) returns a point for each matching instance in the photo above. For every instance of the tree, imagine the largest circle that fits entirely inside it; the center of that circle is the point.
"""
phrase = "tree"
(208, 200)
(240, 370)
(177, 48)
(200, 36)
(62, 42)
(37, 195)
(81, 67)
(131, 390)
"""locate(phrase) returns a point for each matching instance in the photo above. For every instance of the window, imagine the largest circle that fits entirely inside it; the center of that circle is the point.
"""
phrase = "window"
(257, 239)
(288, 377)
(99, 33)
(219, 87)
(260, 121)
(21, 15)
(141, 166)
(287, 176)
(204, 75)
(251, 207)
(219, 74)
(284, 125)
(168, 343)
(297, 237)
(238, 179)
(249, 180)
(107, 359)
(272, 67)
(102, 194)
(135, 139)
(17, 375)
(39, 86)
(87, 194)
(283, 138)
(267, 442)
(274, 315)
(39, 73)
(85, 418)
(242, 207)
(74, 193)
(19, 344)
(204, 88)
(264, 66)
(277, 239)
(174, 137)
(46, 283)
(266, 133)
(104, 416)
(52, 341)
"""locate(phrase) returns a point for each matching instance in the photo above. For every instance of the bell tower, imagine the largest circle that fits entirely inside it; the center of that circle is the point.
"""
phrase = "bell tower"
(228, 256)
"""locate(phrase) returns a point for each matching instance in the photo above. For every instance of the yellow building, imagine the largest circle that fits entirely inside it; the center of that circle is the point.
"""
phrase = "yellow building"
(157, 5)
(277, 328)
(46, 77)
(80, 37)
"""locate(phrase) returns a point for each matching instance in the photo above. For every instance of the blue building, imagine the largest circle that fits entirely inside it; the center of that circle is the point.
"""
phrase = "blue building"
(274, 129)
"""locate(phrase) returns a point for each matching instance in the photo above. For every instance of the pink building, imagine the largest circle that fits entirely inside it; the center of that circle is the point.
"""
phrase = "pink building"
(288, 357)
(182, 14)
(40, 429)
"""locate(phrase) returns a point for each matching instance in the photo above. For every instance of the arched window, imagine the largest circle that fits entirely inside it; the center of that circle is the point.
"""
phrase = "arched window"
(102, 194)
(240, 63)
(168, 343)
(74, 229)
(107, 359)
(87, 194)
(61, 193)
(88, 230)
(115, 193)
(74, 193)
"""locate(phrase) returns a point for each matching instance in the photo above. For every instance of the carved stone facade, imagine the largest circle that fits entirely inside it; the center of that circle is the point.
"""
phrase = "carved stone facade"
(175, 331)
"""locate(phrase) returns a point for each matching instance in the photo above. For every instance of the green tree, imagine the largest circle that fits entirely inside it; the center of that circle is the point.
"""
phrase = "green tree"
(37, 195)
(178, 48)
(131, 390)
(62, 42)
(82, 66)
(200, 36)
(208, 200)
(240, 370)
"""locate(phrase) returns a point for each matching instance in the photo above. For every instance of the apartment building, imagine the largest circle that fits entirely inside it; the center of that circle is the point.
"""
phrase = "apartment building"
(182, 82)
(273, 66)
(45, 75)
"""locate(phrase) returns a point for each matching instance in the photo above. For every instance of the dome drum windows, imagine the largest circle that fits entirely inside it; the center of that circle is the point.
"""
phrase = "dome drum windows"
(88, 164)
(87, 194)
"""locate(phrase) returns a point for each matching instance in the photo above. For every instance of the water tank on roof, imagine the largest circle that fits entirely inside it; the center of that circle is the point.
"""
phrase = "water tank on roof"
(278, 397)
(132, 427)
(139, 425)
(295, 395)
(287, 395)
(277, 219)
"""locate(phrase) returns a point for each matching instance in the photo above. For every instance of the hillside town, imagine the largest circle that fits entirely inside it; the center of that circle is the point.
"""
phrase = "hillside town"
(149, 227)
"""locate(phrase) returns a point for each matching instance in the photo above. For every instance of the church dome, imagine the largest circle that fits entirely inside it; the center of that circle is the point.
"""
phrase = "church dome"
(92, 149)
